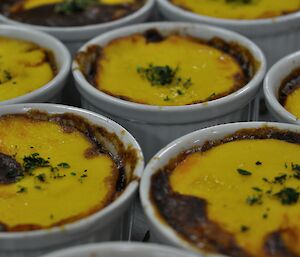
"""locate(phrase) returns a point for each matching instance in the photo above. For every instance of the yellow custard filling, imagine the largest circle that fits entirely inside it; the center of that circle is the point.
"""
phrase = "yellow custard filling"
(292, 103)
(238, 9)
(240, 180)
(29, 4)
(24, 67)
(175, 71)
(72, 185)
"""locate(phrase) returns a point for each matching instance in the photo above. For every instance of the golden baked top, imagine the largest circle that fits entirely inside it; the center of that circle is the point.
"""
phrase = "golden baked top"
(56, 169)
(167, 71)
(65, 13)
(240, 9)
(24, 67)
(237, 196)
(289, 93)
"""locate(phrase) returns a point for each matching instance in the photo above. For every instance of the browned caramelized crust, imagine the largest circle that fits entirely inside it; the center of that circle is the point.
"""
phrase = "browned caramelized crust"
(188, 215)
(289, 85)
(46, 15)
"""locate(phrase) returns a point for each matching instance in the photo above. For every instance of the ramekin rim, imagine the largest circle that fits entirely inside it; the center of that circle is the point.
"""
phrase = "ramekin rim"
(254, 82)
(74, 29)
(270, 95)
(88, 220)
(119, 246)
(64, 70)
(228, 22)
(153, 166)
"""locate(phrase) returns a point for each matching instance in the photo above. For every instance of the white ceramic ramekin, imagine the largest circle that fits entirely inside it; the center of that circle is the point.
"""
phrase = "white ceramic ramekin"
(94, 228)
(272, 83)
(51, 92)
(74, 37)
(121, 249)
(163, 232)
(155, 126)
(277, 36)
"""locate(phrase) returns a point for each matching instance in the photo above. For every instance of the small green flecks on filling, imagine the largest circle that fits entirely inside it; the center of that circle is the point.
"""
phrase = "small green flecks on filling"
(288, 196)
(163, 76)
(255, 199)
(244, 228)
(41, 177)
(244, 172)
(73, 6)
(64, 165)
(22, 189)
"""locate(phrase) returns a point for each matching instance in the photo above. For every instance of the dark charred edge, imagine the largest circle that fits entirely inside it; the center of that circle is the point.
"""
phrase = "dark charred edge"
(3, 227)
(50, 58)
(288, 86)
(121, 182)
(190, 219)
(89, 63)
(69, 123)
(153, 36)
(275, 245)
(10, 169)
(239, 53)
(46, 15)
(187, 215)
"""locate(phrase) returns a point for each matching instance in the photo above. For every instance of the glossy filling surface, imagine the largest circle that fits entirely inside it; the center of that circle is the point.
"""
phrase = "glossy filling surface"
(289, 93)
(239, 9)
(168, 71)
(244, 204)
(52, 173)
(24, 67)
(65, 13)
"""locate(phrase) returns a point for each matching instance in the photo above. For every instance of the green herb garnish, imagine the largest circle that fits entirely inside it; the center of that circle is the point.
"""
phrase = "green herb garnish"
(288, 196)
(244, 172)
(280, 179)
(257, 189)
(33, 162)
(158, 75)
(256, 199)
(6, 76)
(266, 180)
(295, 167)
(163, 76)
(244, 228)
(22, 189)
(179, 92)
(73, 6)
(166, 99)
(64, 165)
(41, 177)
(258, 163)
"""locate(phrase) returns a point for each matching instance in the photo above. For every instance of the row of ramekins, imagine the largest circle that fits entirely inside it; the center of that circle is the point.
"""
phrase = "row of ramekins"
(282, 33)
(101, 225)
(156, 126)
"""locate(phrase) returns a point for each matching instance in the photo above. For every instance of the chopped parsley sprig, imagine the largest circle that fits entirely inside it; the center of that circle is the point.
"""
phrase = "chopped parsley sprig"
(73, 6)
(163, 76)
